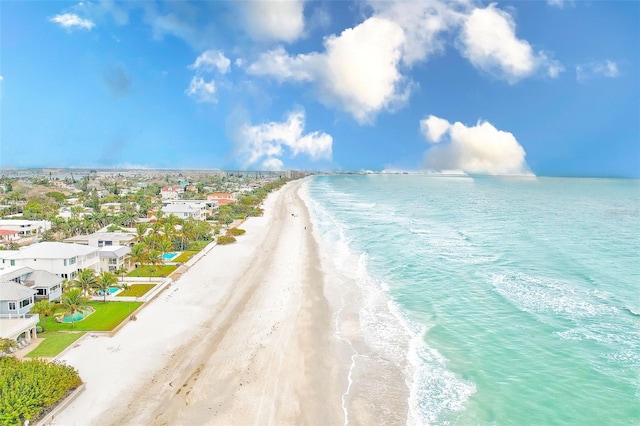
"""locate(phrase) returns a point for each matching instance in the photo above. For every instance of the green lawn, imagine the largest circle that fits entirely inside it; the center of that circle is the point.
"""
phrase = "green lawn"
(184, 256)
(136, 290)
(149, 271)
(106, 317)
(54, 342)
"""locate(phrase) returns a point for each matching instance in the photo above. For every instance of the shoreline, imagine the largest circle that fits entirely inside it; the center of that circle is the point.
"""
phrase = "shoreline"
(253, 333)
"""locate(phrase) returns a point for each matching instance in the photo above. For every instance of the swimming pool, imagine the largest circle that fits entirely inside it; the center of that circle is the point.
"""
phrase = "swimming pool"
(169, 256)
(110, 291)
(77, 316)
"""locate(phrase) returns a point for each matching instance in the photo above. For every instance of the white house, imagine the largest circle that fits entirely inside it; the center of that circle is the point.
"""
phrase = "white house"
(113, 258)
(47, 286)
(184, 209)
(24, 227)
(62, 259)
(104, 239)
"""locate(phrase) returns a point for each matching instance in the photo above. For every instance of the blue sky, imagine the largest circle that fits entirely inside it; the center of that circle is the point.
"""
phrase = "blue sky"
(542, 87)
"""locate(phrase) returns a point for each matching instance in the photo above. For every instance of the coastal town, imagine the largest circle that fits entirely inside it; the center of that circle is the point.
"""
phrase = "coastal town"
(83, 251)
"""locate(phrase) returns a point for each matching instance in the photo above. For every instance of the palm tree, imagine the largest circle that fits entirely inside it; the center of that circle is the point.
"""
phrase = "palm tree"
(72, 302)
(155, 258)
(139, 254)
(85, 281)
(105, 280)
(44, 308)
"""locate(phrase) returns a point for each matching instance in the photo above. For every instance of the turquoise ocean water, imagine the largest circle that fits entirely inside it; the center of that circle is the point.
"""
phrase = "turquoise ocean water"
(518, 298)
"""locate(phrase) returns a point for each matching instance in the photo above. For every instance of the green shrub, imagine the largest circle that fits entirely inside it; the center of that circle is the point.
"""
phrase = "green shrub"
(235, 232)
(28, 387)
(226, 239)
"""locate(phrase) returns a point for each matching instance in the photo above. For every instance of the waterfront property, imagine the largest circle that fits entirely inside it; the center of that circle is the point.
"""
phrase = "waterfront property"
(62, 259)
(47, 286)
(113, 258)
(16, 323)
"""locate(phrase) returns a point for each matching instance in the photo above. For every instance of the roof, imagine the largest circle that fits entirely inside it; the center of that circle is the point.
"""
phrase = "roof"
(114, 251)
(169, 208)
(44, 278)
(7, 232)
(10, 290)
(52, 250)
(10, 272)
(104, 236)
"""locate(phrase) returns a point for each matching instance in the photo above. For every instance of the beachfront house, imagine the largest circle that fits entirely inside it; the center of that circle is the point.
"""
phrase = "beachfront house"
(104, 239)
(113, 258)
(16, 323)
(62, 259)
(47, 286)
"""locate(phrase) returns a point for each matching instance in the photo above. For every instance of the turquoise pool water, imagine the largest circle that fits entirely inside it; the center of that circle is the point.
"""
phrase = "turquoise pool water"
(77, 316)
(110, 291)
(169, 256)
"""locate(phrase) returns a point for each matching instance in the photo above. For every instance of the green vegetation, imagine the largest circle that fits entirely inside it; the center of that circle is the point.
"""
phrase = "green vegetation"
(226, 239)
(235, 232)
(136, 290)
(72, 301)
(54, 343)
(28, 387)
(152, 271)
(44, 308)
(105, 318)
(185, 256)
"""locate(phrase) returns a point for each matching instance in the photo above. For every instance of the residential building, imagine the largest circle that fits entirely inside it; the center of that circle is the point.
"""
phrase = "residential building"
(112, 208)
(62, 259)
(16, 301)
(8, 236)
(195, 209)
(104, 239)
(171, 192)
(25, 228)
(47, 286)
(112, 258)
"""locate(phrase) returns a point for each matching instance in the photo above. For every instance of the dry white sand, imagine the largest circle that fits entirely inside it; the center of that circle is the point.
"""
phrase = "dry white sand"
(245, 336)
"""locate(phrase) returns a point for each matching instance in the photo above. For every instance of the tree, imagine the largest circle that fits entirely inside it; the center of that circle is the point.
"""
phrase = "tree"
(44, 308)
(85, 281)
(139, 254)
(6, 345)
(72, 302)
(105, 280)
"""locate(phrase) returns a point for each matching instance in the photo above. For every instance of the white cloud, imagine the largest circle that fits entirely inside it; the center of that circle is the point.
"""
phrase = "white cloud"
(358, 71)
(488, 39)
(434, 128)
(211, 60)
(481, 149)
(266, 142)
(423, 23)
(556, 3)
(71, 21)
(277, 63)
(202, 90)
(591, 70)
(274, 20)
(272, 163)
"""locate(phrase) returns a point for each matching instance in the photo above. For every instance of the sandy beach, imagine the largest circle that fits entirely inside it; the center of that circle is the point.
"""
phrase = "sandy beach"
(245, 336)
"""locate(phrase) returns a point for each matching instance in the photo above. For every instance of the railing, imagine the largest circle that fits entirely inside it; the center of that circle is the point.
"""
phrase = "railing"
(18, 316)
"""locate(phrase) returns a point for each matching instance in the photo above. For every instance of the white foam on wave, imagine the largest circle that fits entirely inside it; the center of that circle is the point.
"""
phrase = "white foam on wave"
(434, 390)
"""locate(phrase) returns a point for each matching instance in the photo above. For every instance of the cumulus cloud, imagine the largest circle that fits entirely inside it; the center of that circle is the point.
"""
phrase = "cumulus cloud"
(211, 60)
(488, 40)
(358, 71)
(71, 21)
(607, 68)
(423, 23)
(202, 90)
(480, 149)
(265, 143)
(274, 20)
